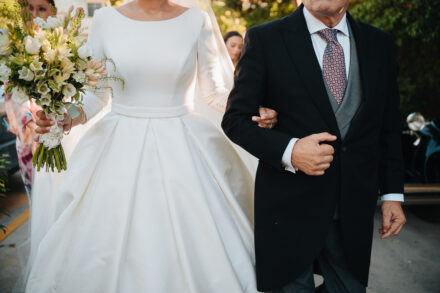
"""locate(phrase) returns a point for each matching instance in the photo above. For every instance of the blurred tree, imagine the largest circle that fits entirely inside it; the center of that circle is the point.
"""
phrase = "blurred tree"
(241, 14)
(229, 19)
(415, 25)
(116, 2)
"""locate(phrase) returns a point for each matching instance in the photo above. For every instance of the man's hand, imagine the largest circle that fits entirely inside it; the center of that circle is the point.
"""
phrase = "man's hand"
(267, 118)
(312, 157)
(393, 219)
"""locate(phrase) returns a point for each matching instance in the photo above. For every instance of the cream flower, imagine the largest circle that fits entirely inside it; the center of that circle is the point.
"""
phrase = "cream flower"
(45, 100)
(5, 43)
(84, 52)
(5, 72)
(26, 74)
(36, 65)
(69, 90)
(50, 56)
(32, 45)
(43, 89)
(67, 66)
(39, 34)
(45, 46)
(63, 52)
(19, 95)
(58, 33)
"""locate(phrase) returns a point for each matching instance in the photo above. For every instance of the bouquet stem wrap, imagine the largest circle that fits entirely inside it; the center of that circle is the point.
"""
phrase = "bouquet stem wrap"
(50, 153)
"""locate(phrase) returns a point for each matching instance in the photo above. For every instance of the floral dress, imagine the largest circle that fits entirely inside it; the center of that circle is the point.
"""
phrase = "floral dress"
(18, 122)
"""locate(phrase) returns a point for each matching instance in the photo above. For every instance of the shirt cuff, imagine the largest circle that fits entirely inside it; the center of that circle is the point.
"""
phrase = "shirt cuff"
(287, 157)
(393, 197)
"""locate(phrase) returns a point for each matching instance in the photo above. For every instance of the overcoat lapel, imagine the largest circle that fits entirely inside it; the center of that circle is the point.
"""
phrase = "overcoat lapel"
(299, 45)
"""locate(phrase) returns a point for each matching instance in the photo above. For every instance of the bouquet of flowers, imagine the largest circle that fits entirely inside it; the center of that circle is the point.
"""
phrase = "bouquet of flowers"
(49, 63)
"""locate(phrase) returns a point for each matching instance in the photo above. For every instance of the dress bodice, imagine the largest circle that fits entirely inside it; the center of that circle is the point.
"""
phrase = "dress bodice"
(161, 62)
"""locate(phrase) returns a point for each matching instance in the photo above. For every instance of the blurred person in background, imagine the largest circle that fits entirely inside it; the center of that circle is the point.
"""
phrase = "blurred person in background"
(20, 121)
(234, 44)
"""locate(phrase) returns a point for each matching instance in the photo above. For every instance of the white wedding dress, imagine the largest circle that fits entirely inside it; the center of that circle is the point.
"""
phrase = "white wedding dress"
(155, 198)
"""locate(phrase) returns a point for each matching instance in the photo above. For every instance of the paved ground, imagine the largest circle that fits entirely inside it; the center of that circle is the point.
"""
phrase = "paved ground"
(10, 265)
(409, 263)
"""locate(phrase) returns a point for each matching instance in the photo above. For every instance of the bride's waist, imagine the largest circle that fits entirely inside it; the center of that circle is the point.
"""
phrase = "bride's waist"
(150, 112)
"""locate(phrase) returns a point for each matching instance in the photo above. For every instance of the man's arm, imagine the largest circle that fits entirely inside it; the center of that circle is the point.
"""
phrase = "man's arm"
(273, 147)
(246, 97)
(391, 161)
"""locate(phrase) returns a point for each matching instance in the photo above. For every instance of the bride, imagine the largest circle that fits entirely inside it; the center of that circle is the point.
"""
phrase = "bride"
(155, 199)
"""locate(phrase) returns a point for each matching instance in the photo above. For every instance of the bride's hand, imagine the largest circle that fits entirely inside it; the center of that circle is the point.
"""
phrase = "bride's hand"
(44, 123)
(267, 118)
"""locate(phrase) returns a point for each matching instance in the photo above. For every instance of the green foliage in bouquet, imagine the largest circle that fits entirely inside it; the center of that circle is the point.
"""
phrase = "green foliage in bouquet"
(9, 13)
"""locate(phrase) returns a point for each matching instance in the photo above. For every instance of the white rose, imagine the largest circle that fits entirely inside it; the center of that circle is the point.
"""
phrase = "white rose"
(5, 72)
(26, 74)
(32, 45)
(50, 56)
(45, 100)
(43, 89)
(5, 43)
(36, 65)
(19, 95)
(53, 22)
(69, 90)
(80, 77)
(84, 52)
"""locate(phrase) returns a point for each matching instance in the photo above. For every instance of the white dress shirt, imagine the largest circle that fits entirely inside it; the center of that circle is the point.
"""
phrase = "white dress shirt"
(319, 44)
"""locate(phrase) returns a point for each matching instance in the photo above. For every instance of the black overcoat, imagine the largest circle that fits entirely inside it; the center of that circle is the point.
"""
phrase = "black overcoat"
(293, 212)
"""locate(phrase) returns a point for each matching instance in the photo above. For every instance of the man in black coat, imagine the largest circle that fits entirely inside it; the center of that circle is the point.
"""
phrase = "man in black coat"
(335, 149)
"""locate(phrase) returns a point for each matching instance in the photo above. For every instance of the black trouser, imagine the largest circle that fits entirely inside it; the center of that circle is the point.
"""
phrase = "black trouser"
(331, 262)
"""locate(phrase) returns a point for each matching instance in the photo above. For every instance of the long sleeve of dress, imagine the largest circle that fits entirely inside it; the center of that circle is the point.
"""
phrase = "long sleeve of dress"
(209, 69)
(96, 99)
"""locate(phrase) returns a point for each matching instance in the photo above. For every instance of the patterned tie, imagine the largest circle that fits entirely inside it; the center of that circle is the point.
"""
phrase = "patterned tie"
(334, 64)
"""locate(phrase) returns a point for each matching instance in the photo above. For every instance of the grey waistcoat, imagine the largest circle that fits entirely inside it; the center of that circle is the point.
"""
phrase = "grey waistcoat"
(345, 112)
(353, 94)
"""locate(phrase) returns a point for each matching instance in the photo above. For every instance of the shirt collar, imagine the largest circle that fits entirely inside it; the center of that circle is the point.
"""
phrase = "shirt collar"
(314, 25)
